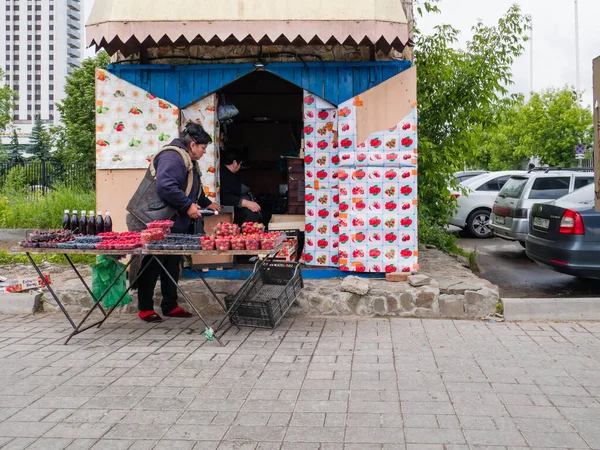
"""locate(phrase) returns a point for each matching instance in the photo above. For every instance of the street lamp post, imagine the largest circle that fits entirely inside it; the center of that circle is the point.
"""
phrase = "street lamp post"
(577, 83)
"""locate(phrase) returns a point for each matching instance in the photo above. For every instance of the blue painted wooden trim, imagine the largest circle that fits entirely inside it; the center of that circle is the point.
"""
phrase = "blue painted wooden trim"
(307, 274)
(403, 64)
(334, 81)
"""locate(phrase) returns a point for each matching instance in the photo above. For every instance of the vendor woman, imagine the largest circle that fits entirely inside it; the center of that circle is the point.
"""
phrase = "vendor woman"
(234, 192)
(171, 190)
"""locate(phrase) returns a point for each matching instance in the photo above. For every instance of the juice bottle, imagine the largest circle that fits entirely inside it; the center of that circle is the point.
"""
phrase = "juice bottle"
(83, 223)
(99, 223)
(107, 222)
(66, 223)
(91, 226)
(75, 222)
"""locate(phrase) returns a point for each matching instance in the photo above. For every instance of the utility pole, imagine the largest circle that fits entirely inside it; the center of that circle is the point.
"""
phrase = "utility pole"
(577, 80)
(531, 60)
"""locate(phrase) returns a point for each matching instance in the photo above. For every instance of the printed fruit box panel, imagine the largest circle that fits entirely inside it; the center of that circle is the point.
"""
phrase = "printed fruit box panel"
(131, 123)
(396, 146)
(321, 162)
(204, 112)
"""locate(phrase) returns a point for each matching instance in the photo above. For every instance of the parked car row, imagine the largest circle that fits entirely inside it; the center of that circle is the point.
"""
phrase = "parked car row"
(549, 212)
(564, 235)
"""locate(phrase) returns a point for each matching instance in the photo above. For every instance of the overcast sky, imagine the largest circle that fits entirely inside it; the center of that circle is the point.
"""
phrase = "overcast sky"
(553, 37)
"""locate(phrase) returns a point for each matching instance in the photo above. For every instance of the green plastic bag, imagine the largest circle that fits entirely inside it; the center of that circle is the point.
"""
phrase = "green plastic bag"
(107, 268)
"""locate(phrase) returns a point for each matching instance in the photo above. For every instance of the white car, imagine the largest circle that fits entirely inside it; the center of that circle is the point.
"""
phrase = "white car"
(475, 206)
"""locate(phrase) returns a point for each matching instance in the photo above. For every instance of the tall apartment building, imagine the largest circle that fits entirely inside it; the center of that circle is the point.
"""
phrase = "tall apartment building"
(40, 44)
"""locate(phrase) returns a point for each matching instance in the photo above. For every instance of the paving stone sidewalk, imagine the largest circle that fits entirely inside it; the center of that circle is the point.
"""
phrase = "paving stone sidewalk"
(312, 384)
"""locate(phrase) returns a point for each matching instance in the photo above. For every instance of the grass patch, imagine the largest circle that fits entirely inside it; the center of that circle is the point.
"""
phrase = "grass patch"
(7, 258)
(431, 234)
(21, 209)
(499, 308)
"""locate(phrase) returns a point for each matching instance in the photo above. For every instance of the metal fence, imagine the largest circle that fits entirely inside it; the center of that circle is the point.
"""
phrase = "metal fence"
(42, 175)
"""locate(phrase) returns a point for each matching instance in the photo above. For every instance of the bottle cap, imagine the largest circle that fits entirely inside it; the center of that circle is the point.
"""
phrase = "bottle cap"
(83, 211)
(107, 213)
(66, 211)
(91, 212)
(74, 211)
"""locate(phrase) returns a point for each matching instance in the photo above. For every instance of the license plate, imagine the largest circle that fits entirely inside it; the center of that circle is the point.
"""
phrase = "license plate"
(538, 222)
(499, 220)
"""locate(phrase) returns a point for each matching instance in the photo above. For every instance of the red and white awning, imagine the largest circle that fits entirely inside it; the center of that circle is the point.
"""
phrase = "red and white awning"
(125, 24)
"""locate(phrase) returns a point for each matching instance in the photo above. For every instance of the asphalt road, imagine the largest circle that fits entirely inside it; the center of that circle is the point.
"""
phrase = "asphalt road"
(506, 265)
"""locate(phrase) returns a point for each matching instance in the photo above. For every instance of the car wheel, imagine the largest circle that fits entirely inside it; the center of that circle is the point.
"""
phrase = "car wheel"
(478, 223)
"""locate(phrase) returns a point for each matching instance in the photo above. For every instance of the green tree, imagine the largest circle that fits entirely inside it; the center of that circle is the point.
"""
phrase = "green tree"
(548, 126)
(460, 92)
(7, 103)
(75, 137)
(14, 149)
(551, 124)
(39, 140)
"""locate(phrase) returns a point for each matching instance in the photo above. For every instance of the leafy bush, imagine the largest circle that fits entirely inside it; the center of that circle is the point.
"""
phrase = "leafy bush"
(16, 181)
(19, 209)
(433, 234)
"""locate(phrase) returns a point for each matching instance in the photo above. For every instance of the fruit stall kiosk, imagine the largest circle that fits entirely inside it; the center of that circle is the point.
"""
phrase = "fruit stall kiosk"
(335, 90)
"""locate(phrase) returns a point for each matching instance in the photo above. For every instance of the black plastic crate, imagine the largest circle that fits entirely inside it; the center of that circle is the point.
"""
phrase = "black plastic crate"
(267, 295)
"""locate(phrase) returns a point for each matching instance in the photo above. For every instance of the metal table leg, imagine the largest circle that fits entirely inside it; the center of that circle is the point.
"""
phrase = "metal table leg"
(184, 295)
(47, 285)
(78, 329)
(85, 284)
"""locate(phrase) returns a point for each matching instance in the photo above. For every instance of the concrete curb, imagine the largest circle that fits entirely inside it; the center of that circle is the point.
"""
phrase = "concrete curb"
(551, 308)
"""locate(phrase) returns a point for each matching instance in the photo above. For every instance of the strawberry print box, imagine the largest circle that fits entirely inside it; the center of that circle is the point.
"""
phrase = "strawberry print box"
(310, 131)
(322, 160)
(359, 253)
(358, 237)
(408, 207)
(310, 198)
(407, 127)
(347, 159)
(407, 238)
(359, 174)
(322, 258)
(310, 244)
(375, 174)
(408, 175)
(375, 253)
(346, 128)
(309, 160)
(345, 190)
(408, 158)
(375, 237)
(310, 228)
(358, 205)
(358, 221)
(391, 222)
(324, 199)
(377, 159)
(375, 221)
(323, 227)
(358, 190)
(408, 142)
(390, 191)
(407, 191)
(390, 254)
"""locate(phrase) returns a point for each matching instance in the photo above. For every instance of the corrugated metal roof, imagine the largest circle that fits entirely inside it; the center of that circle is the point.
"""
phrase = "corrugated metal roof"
(114, 23)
